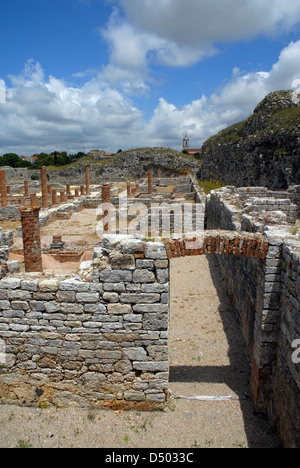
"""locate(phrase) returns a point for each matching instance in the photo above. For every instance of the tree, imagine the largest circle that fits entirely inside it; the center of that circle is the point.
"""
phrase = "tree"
(13, 160)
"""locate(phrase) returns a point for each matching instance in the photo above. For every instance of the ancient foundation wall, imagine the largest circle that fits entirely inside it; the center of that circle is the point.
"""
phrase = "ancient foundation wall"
(99, 343)
(104, 342)
(265, 297)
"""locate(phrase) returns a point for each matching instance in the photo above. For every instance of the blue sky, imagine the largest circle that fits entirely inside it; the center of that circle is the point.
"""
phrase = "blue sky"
(82, 74)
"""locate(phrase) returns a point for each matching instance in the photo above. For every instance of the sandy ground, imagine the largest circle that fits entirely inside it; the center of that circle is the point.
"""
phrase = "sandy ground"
(206, 358)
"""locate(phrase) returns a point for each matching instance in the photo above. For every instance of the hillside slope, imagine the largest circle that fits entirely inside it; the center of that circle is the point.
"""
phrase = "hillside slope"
(260, 151)
(130, 165)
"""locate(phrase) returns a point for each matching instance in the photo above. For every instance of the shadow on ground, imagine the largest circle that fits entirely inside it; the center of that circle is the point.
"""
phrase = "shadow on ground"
(236, 375)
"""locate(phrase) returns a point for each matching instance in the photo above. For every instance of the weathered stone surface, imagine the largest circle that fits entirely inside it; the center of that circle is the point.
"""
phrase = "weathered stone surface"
(122, 262)
(155, 250)
(139, 298)
(73, 285)
(132, 246)
(115, 276)
(118, 309)
(151, 366)
(259, 152)
(143, 276)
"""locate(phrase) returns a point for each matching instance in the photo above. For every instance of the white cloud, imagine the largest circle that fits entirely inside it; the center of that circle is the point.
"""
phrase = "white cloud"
(180, 33)
(177, 33)
(193, 22)
(206, 116)
(42, 114)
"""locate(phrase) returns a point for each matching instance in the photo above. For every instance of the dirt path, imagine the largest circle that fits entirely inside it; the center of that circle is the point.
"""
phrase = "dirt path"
(206, 358)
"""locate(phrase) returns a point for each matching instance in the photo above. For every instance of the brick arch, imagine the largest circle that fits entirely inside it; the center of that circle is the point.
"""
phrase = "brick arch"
(219, 243)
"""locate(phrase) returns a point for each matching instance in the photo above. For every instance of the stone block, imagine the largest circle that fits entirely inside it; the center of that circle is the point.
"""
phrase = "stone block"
(114, 287)
(135, 354)
(48, 285)
(118, 309)
(151, 366)
(150, 308)
(74, 285)
(111, 297)
(145, 263)
(122, 262)
(116, 276)
(155, 250)
(162, 275)
(141, 298)
(143, 276)
(10, 283)
(29, 285)
(155, 288)
(132, 246)
(87, 297)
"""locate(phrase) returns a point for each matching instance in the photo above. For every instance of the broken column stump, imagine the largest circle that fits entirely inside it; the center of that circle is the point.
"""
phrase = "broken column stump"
(31, 239)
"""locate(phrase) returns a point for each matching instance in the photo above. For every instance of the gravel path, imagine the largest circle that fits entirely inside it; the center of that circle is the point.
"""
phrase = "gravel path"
(206, 358)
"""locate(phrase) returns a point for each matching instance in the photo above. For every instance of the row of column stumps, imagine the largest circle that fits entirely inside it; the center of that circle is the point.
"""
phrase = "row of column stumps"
(30, 217)
(45, 189)
(31, 231)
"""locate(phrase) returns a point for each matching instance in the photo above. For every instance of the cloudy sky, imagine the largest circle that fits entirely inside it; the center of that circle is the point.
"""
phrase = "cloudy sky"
(82, 74)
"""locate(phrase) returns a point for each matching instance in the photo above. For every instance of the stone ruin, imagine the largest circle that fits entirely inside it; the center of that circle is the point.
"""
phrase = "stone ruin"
(98, 335)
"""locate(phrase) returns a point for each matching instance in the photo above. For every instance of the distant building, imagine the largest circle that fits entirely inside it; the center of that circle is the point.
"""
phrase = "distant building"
(186, 143)
(186, 147)
(99, 154)
(30, 159)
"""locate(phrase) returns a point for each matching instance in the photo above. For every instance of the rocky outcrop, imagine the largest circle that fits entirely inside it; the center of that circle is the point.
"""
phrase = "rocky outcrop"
(260, 151)
(132, 164)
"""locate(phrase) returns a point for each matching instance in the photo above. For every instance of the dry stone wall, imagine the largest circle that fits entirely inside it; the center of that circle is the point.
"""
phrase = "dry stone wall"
(265, 297)
(99, 343)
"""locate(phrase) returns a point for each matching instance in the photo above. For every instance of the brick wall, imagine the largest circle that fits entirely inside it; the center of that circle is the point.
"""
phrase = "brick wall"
(220, 243)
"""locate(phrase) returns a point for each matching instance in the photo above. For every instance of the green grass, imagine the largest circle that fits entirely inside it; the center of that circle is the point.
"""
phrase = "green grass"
(208, 185)
(281, 119)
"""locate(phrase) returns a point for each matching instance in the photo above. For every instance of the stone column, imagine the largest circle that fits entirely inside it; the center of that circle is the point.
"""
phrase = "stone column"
(76, 192)
(82, 191)
(8, 190)
(44, 187)
(68, 189)
(87, 179)
(26, 192)
(149, 182)
(128, 189)
(31, 239)
(3, 190)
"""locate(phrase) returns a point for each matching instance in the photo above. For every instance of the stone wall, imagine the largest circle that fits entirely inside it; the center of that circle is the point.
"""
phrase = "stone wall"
(99, 343)
(104, 342)
(286, 382)
(265, 297)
